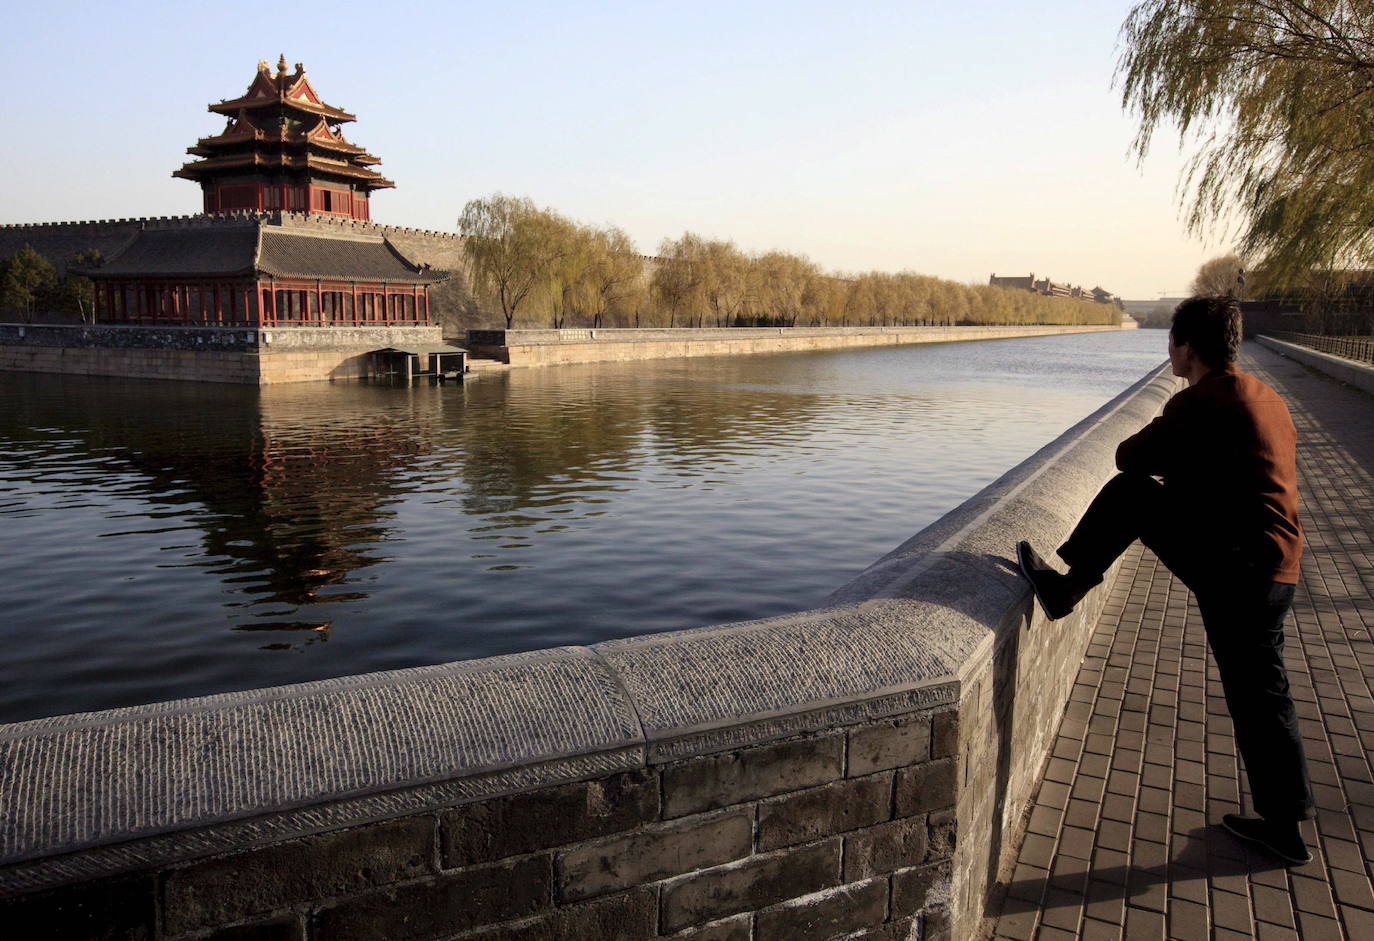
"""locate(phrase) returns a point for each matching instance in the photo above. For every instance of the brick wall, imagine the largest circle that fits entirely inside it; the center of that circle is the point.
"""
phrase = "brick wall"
(857, 771)
(815, 837)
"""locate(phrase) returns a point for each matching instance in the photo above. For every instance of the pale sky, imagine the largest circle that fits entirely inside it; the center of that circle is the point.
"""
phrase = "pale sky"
(953, 139)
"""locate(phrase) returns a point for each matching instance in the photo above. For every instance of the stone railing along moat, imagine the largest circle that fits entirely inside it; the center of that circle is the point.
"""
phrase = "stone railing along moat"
(864, 765)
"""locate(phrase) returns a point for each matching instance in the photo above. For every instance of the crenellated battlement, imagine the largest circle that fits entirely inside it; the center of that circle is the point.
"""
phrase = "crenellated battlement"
(272, 217)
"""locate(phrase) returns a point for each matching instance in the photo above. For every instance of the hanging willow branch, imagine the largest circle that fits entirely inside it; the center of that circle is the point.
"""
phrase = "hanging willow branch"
(1278, 98)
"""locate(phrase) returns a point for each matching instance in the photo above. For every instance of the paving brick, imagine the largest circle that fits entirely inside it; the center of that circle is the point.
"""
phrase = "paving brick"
(1187, 920)
(654, 853)
(1352, 889)
(1230, 910)
(1143, 925)
(511, 826)
(1094, 930)
(720, 780)
(1273, 906)
(1316, 928)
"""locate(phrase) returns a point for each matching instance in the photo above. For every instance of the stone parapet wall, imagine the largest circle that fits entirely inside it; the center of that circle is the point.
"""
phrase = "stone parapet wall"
(816, 836)
(559, 347)
(1353, 373)
(203, 354)
(179, 365)
(862, 767)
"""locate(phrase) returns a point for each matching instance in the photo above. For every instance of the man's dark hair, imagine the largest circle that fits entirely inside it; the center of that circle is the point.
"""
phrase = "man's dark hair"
(1211, 326)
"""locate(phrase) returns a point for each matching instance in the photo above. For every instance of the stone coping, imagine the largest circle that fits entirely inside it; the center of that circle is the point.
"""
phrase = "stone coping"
(249, 338)
(103, 792)
(530, 337)
(1357, 374)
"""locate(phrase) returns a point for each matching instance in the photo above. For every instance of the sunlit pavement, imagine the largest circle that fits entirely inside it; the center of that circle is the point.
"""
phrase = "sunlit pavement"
(1124, 839)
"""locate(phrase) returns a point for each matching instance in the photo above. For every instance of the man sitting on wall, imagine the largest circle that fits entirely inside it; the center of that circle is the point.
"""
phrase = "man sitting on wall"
(1223, 516)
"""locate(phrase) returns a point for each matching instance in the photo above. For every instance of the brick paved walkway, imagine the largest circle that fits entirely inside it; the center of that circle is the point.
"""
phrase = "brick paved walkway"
(1123, 840)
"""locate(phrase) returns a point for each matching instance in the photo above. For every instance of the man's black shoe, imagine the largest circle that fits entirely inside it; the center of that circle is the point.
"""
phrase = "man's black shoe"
(1056, 592)
(1284, 840)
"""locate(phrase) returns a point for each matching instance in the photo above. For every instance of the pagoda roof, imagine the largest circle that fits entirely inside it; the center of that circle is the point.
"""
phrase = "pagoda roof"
(291, 90)
(225, 249)
(258, 161)
(241, 129)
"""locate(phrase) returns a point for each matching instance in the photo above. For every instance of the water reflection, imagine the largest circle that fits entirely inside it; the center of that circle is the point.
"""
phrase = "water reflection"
(183, 539)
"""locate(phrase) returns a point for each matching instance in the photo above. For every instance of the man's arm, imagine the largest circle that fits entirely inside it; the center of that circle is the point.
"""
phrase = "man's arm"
(1159, 448)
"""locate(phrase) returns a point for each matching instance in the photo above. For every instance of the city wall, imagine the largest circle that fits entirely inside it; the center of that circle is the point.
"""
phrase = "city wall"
(859, 770)
(559, 347)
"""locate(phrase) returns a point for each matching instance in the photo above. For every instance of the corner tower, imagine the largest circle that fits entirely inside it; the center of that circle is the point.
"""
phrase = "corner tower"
(282, 149)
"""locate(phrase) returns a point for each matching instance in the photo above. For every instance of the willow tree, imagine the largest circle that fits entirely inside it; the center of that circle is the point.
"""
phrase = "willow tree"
(616, 275)
(680, 276)
(510, 245)
(1277, 98)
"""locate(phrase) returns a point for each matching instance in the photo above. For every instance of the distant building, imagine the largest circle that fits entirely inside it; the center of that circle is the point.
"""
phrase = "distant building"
(1048, 288)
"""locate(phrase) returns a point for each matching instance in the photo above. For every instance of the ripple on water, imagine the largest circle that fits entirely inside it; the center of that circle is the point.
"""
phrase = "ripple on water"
(177, 540)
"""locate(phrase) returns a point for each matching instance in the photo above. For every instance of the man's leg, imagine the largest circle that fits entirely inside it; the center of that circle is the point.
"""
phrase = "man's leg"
(1127, 508)
(1245, 631)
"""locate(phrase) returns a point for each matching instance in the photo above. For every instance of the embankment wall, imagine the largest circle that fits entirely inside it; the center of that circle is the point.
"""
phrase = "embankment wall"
(1359, 375)
(558, 347)
(202, 354)
(860, 770)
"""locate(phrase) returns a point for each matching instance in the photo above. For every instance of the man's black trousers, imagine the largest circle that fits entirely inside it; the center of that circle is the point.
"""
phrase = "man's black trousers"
(1243, 616)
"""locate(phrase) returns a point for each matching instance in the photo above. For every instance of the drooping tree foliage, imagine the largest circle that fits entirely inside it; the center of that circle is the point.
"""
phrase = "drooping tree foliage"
(1277, 98)
(539, 267)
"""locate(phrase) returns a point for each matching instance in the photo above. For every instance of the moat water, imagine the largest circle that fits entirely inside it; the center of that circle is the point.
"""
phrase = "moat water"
(166, 540)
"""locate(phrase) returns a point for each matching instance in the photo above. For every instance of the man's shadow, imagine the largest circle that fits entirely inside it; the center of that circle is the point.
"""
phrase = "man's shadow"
(1207, 853)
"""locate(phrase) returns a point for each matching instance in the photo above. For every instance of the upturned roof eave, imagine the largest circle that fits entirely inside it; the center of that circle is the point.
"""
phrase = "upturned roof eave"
(431, 276)
(229, 108)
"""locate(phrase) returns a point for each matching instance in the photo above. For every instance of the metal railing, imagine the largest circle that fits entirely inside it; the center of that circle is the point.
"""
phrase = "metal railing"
(1360, 349)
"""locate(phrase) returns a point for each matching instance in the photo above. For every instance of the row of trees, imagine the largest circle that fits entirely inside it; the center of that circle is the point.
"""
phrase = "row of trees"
(537, 266)
(29, 283)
